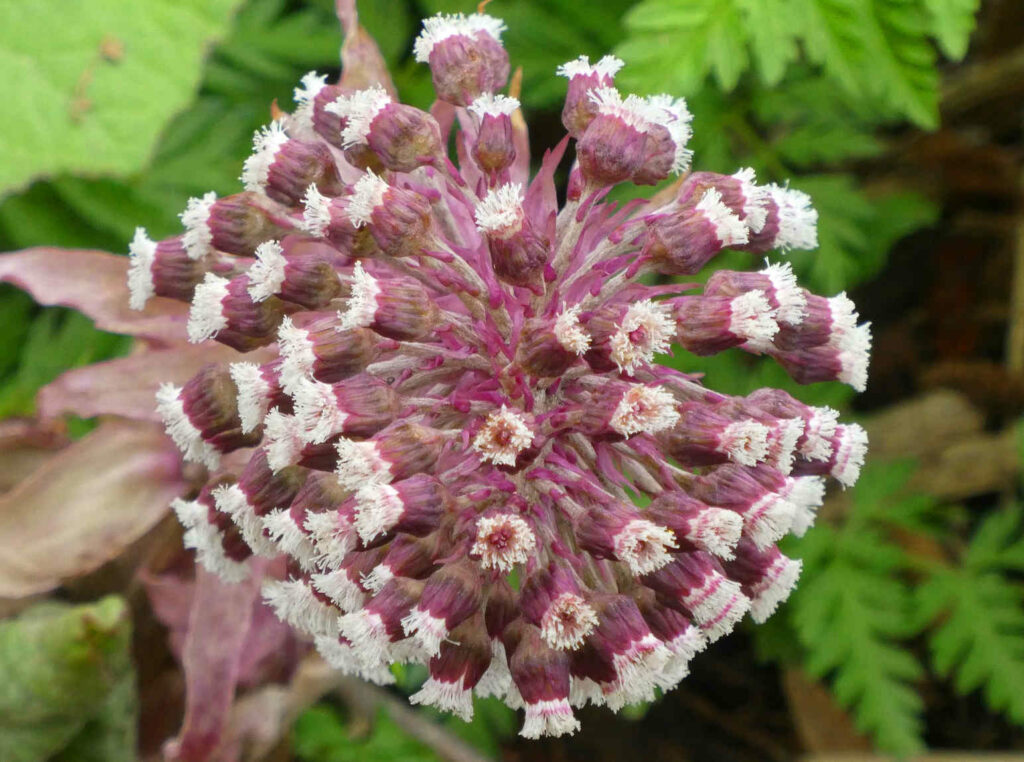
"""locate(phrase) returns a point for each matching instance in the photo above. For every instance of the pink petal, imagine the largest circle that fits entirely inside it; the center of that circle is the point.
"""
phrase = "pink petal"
(126, 386)
(85, 505)
(94, 283)
(219, 623)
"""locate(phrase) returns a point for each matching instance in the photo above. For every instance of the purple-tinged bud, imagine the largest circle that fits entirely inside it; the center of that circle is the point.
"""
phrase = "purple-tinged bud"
(707, 325)
(819, 422)
(234, 224)
(345, 585)
(463, 660)
(359, 406)
(549, 347)
(326, 217)
(580, 109)
(202, 416)
(519, 252)
(396, 308)
(541, 677)
(697, 582)
(617, 531)
(298, 270)
(696, 525)
(259, 389)
(614, 145)
(406, 556)
(683, 240)
(311, 116)
(161, 268)
(766, 576)
(223, 310)
(451, 595)
(494, 149)
(846, 360)
(831, 321)
(283, 168)
(378, 624)
(504, 435)
(404, 138)
(776, 282)
(499, 612)
(665, 152)
(739, 193)
(623, 644)
(767, 500)
(414, 506)
(628, 337)
(398, 219)
(704, 437)
(503, 540)
(294, 601)
(284, 438)
(624, 409)
(553, 600)
(332, 530)
(465, 55)
(400, 451)
(790, 223)
(849, 445)
(313, 347)
(681, 637)
(218, 544)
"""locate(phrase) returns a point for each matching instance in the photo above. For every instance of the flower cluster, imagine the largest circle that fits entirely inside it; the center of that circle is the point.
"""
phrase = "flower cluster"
(454, 426)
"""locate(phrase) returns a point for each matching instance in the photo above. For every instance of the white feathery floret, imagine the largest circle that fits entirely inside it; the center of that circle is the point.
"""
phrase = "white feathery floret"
(717, 605)
(444, 25)
(361, 307)
(378, 509)
(282, 439)
(266, 142)
(503, 436)
(266, 274)
(567, 622)
(297, 355)
(729, 228)
(744, 441)
(673, 114)
(774, 588)
(850, 452)
(502, 541)
(181, 430)
(359, 463)
(653, 323)
(317, 411)
(647, 409)
(755, 199)
(790, 297)
(753, 319)
(500, 213)
(491, 104)
(633, 110)
(570, 333)
(206, 316)
(142, 254)
(549, 718)
(310, 86)
(316, 212)
(207, 541)
(446, 696)
(253, 394)
(798, 220)
(198, 237)
(294, 603)
(607, 66)
(644, 546)
(358, 110)
(716, 530)
(367, 195)
(232, 500)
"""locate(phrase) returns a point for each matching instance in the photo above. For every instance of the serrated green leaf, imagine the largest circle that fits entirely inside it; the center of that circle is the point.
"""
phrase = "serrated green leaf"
(773, 35)
(998, 542)
(61, 665)
(320, 735)
(952, 22)
(93, 92)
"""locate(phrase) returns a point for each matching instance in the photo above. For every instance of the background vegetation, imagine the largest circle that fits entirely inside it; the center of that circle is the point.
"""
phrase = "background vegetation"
(907, 630)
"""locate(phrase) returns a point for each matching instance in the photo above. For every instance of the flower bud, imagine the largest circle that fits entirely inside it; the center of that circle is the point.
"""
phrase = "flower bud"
(696, 582)
(819, 423)
(541, 675)
(552, 599)
(831, 321)
(414, 506)
(202, 416)
(703, 437)
(494, 149)
(358, 406)
(618, 532)
(311, 115)
(463, 659)
(845, 361)
(259, 389)
(465, 55)
(397, 308)
(298, 270)
(628, 337)
(504, 435)
(332, 528)
(234, 224)
(406, 556)
(790, 223)
(776, 282)
(682, 638)
(614, 144)
(218, 543)
(707, 325)
(548, 347)
(451, 595)
(767, 577)
(283, 168)
(161, 268)
(683, 240)
(398, 219)
(580, 109)
(665, 151)
(297, 603)
(696, 525)
(738, 192)
(518, 251)
(327, 218)
(224, 310)
(313, 347)
(404, 138)
(502, 541)
(400, 451)
(849, 445)
(378, 624)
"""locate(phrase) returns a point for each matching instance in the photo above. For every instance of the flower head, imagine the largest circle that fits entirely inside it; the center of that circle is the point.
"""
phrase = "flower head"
(458, 386)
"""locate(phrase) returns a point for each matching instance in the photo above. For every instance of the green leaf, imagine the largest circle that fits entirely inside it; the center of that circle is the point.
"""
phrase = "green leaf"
(773, 36)
(320, 735)
(980, 636)
(67, 680)
(952, 22)
(93, 92)
(998, 542)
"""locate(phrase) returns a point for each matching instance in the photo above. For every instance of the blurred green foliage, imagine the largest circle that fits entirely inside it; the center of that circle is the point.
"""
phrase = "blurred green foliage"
(68, 691)
(801, 90)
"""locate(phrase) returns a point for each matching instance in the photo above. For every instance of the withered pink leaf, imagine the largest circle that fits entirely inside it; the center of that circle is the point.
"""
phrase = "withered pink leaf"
(85, 505)
(94, 283)
(361, 61)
